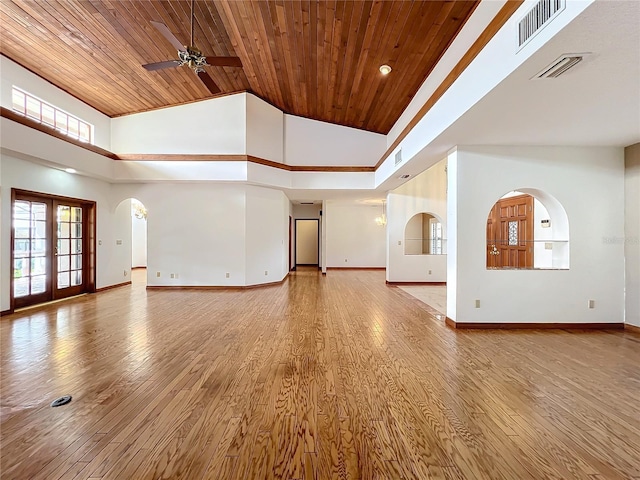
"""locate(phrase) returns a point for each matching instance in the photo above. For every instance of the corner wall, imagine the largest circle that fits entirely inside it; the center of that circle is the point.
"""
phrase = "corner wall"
(632, 233)
(426, 193)
(589, 183)
(353, 237)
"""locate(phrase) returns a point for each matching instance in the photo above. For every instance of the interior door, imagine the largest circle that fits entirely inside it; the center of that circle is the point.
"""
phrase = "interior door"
(52, 248)
(307, 242)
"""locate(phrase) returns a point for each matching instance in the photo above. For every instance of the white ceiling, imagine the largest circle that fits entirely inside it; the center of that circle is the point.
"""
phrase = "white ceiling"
(596, 103)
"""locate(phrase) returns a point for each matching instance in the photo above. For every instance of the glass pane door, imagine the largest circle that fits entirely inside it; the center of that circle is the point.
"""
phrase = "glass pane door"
(31, 266)
(53, 247)
(69, 250)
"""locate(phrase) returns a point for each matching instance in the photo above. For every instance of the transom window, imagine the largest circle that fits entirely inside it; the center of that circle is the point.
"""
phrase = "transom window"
(45, 113)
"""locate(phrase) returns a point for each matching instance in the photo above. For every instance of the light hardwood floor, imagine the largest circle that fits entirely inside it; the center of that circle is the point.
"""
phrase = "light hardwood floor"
(334, 377)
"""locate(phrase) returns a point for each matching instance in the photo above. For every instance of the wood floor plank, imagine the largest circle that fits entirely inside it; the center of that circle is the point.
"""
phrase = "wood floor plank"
(321, 377)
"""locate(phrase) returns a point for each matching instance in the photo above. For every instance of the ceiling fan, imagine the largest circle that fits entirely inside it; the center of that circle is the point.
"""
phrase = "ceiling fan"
(192, 57)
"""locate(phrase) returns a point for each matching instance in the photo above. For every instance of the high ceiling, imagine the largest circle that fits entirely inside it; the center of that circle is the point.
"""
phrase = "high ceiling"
(314, 59)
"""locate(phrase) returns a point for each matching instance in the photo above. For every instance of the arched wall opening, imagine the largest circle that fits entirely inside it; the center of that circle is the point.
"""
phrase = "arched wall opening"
(131, 237)
(423, 235)
(527, 228)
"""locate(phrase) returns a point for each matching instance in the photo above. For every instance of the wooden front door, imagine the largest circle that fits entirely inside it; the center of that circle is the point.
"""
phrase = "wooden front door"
(52, 253)
(510, 233)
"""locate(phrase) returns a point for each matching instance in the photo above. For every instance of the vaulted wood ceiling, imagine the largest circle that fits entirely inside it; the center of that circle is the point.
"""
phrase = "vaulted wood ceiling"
(314, 59)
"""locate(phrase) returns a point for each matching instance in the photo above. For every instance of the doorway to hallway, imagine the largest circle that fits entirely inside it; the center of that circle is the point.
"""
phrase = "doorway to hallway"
(307, 233)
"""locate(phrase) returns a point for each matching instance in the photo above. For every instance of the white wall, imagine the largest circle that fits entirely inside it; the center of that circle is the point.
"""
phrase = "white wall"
(265, 130)
(24, 142)
(25, 175)
(201, 232)
(632, 234)
(353, 237)
(13, 74)
(196, 231)
(215, 126)
(311, 142)
(597, 266)
(542, 256)
(426, 193)
(267, 232)
(138, 242)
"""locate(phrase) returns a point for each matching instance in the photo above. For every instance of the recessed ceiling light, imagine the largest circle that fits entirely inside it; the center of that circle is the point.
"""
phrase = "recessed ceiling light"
(385, 69)
(70, 170)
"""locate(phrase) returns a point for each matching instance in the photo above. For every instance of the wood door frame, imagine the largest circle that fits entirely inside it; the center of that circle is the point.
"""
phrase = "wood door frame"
(89, 228)
(295, 250)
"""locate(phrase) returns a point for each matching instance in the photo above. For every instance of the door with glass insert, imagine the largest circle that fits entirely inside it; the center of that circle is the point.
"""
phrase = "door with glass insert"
(68, 251)
(31, 251)
(51, 248)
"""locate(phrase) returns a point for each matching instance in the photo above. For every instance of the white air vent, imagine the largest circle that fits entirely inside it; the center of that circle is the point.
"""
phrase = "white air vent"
(560, 65)
(398, 157)
(404, 176)
(540, 15)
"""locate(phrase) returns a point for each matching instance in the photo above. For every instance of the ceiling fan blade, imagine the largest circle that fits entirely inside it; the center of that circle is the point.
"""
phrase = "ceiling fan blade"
(164, 30)
(224, 61)
(160, 65)
(209, 83)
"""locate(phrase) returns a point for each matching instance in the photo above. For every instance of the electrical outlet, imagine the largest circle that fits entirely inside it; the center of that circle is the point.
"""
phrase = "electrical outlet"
(173, 275)
(99, 242)
(477, 303)
(266, 272)
(399, 242)
(591, 304)
(125, 273)
(345, 260)
(157, 274)
(429, 272)
(118, 242)
(227, 275)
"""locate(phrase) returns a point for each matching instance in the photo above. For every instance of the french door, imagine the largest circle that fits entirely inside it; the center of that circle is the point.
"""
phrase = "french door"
(52, 248)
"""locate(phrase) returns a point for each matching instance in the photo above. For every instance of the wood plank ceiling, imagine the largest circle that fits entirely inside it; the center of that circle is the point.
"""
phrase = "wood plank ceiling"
(314, 59)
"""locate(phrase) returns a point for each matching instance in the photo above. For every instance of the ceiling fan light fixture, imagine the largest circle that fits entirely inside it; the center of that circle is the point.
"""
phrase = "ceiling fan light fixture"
(385, 69)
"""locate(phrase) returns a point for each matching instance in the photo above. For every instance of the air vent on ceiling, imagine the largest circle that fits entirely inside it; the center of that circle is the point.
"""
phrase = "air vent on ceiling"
(306, 203)
(560, 65)
(398, 158)
(540, 15)
(406, 175)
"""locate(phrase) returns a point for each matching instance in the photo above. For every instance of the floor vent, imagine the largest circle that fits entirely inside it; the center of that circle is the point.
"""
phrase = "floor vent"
(540, 15)
(560, 66)
(58, 402)
(398, 157)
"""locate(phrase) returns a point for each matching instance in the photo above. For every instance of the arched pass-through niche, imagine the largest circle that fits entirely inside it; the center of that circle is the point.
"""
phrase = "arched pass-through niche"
(423, 235)
(527, 228)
